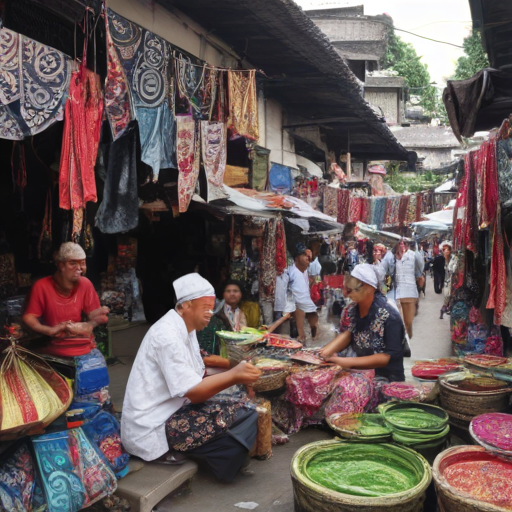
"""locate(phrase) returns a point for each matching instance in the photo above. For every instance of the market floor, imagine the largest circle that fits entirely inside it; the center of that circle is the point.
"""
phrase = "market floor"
(271, 487)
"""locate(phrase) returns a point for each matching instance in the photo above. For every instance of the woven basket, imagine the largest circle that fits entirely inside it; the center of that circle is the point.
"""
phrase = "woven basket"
(473, 403)
(311, 497)
(270, 381)
(460, 420)
(449, 499)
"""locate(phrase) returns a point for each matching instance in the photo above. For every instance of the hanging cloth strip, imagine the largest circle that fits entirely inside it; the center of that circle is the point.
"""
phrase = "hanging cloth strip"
(470, 226)
(365, 210)
(504, 157)
(419, 206)
(268, 271)
(380, 210)
(280, 179)
(331, 201)
(80, 140)
(243, 104)
(34, 80)
(188, 156)
(387, 213)
(411, 208)
(281, 262)
(489, 184)
(117, 94)
(343, 205)
(354, 209)
(260, 168)
(402, 212)
(119, 210)
(214, 153)
(498, 280)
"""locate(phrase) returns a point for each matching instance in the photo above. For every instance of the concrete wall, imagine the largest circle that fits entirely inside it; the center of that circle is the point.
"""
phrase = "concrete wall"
(387, 100)
(279, 141)
(434, 157)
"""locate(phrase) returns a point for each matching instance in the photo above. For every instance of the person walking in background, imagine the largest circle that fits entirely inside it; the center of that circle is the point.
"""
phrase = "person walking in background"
(449, 267)
(404, 266)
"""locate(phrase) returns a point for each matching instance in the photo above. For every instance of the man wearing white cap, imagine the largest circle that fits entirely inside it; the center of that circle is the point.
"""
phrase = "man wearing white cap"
(374, 329)
(167, 408)
(65, 307)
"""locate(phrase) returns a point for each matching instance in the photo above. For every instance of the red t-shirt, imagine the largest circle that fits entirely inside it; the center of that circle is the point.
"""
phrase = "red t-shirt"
(52, 308)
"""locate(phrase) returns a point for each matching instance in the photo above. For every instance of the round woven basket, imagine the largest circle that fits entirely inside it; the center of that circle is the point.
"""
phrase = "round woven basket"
(459, 420)
(449, 499)
(270, 381)
(473, 403)
(312, 497)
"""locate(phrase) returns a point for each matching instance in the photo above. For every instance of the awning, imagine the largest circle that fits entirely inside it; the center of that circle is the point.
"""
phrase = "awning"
(376, 235)
(447, 186)
(430, 228)
(442, 217)
(312, 168)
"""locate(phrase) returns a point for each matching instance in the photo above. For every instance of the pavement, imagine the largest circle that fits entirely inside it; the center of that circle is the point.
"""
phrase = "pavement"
(270, 487)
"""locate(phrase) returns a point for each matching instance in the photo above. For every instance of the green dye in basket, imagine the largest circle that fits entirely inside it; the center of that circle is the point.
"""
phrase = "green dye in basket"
(414, 418)
(365, 470)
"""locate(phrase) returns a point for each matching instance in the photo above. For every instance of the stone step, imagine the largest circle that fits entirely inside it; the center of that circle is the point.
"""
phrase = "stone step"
(145, 487)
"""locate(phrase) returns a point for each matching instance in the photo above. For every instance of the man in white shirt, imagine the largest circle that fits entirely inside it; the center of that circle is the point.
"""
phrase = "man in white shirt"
(166, 409)
(298, 284)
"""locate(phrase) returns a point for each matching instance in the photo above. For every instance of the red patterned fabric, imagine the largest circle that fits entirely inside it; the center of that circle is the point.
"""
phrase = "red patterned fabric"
(355, 207)
(419, 207)
(498, 281)
(187, 150)
(343, 205)
(488, 184)
(281, 263)
(81, 137)
(402, 211)
(365, 210)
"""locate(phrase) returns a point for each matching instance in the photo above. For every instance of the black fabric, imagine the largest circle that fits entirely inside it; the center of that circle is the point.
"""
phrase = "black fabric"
(119, 209)
(438, 270)
(226, 454)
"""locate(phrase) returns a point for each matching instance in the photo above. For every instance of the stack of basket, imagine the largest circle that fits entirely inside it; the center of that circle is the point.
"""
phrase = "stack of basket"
(465, 394)
(421, 427)
(360, 428)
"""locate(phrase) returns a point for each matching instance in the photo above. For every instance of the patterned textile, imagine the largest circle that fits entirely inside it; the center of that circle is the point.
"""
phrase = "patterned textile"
(498, 281)
(34, 80)
(354, 209)
(213, 144)
(103, 431)
(411, 209)
(392, 211)
(343, 205)
(504, 157)
(243, 104)
(73, 473)
(157, 127)
(80, 140)
(365, 210)
(403, 208)
(260, 167)
(494, 429)
(331, 201)
(188, 160)
(17, 481)
(280, 179)
(197, 85)
(380, 210)
(195, 424)
(118, 212)
(281, 262)
(470, 215)
(117, 94)
(419, 206)
(268, 271)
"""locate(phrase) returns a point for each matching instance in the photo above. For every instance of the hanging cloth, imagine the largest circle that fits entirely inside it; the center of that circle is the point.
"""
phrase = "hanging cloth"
(268, 271)
(498, 279)
(243, 104)
(488, 188)
(402, 209)
(214, 153)
(281, 262)
(260, 168)
(80, 140)
(188, 160)
(331, 201)
(343, 205)
(34, 80)
(118, 212)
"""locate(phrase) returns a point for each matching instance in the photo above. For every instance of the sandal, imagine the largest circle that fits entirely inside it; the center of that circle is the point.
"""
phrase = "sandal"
(172, 459)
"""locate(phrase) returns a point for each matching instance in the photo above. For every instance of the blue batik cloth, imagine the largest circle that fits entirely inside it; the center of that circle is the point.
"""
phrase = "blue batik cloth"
(91, 373)
(157, 128)
(280, 179)
(103, 431)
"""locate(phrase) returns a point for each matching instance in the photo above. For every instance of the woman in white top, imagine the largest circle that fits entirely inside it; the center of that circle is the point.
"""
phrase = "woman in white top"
(405, 267)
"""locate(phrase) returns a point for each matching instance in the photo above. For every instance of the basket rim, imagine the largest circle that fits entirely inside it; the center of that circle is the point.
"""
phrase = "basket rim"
(392, 499)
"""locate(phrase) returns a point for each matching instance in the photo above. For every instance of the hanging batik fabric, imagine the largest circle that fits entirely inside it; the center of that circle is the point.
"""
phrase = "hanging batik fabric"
(80, 140)
(488, 187)
(118, 212)
(213, 145)
(365, 210)
(260, 167)
(268, 271)
(243, 104)
(343, 205)
(280, 179)
(196, 87)
(411, 209)
(34, 80)
(504, 157)
(380, 210)
(281, 262)
(419, 206)
(187, 148)
(354, 209)
(402, 209)
(144, 58)
(331, 201)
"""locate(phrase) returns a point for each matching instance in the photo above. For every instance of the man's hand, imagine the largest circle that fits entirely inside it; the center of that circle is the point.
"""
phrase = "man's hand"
(80, 329)
(58, 331)
(99, 316)
(245, 373)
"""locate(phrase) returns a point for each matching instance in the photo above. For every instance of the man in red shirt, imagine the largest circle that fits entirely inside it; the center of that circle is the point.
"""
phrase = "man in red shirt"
(59, 304)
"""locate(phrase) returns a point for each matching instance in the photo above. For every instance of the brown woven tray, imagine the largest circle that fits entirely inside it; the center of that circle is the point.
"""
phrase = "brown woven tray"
(270, 381)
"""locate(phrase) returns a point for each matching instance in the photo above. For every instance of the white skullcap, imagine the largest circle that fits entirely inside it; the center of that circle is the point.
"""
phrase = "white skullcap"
(446, 242)
(366, 274)
(70, 251)
(192, 286)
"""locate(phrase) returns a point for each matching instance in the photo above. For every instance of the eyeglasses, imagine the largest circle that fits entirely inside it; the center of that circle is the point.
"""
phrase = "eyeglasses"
(350, 290)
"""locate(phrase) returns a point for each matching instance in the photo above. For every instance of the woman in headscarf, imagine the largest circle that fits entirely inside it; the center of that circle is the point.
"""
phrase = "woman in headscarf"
(372, 328)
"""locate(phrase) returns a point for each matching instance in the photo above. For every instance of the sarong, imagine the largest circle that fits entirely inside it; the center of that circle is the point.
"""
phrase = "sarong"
(214, 153)
(243, 104)
(188, 160)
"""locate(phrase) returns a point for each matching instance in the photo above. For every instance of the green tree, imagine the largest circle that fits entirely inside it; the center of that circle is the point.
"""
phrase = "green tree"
(474, 59)
(402, 58)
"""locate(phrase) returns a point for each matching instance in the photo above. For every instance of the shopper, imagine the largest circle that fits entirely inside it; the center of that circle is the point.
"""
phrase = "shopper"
(449, 267)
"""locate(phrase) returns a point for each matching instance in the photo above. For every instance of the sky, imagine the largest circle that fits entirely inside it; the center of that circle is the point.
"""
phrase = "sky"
(444, 20)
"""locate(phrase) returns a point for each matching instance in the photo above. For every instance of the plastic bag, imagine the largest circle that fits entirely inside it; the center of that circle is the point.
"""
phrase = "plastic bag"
(32, 394)
(73, 473)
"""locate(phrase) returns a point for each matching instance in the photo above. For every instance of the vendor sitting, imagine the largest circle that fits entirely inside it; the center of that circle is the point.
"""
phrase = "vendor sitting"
(375, 330)
(65, 307)
(167, 408)
(231, 314)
